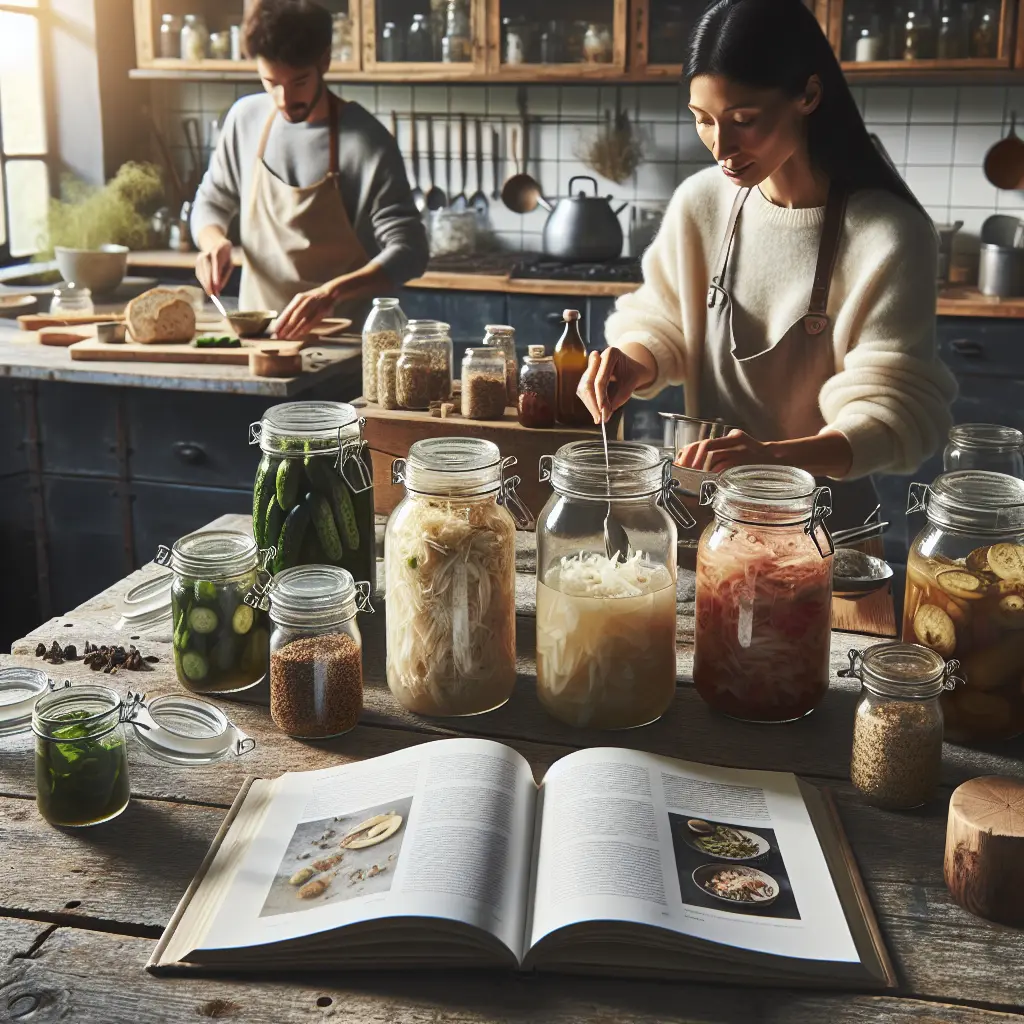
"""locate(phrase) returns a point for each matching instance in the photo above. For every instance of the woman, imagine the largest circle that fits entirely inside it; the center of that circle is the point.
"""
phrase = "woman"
(791, 289)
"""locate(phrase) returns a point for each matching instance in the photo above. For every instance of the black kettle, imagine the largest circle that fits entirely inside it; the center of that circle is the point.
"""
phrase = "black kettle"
(584, 228)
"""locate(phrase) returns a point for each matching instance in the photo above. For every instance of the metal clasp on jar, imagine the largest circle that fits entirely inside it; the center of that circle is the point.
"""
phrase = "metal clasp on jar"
(398, 471)
(820, 511)
(669, 500)
(352, 459)
(544, 466)
(363, 602)
(163, 555)
(917, 497)
(508, 496)
(258, 595)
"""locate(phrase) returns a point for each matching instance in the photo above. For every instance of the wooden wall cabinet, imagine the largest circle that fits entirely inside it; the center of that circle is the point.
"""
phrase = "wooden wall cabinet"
(400, 39)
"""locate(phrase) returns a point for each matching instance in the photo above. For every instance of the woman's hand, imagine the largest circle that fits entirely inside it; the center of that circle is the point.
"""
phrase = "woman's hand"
(611, 378)
(737, 448)
(825, 454)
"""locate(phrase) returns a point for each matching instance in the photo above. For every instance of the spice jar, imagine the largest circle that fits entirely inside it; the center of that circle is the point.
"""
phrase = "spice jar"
(425, 366)
(985, 446)
(538, 389)
(412, 387)
(316, 651)
(484, 391)
(387, 379)
(965, 597)
(419, 47)
(503, 338)
(897, 727)
(342, 50)
(449, 561)
(457, 46)
(170, 37)
(194, 38)
(382, 331)
(313, 494)
(764, 594)
(606, 625)
(597, 44)
(220, 642)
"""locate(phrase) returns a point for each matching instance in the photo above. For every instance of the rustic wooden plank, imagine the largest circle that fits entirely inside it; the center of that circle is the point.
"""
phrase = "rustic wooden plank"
(17, 937)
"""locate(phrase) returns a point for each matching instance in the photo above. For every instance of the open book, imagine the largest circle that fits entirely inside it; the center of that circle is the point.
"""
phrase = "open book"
(448, 854)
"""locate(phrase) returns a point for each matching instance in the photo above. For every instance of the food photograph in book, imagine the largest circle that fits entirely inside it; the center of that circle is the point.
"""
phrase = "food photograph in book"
(329, 860)
(732, 868)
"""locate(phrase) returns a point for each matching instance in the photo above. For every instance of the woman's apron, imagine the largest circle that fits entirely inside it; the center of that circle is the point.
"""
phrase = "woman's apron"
(296, 239)
(773, 395)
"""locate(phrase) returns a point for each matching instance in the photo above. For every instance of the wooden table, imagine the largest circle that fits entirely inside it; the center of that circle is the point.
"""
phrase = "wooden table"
(80, 911)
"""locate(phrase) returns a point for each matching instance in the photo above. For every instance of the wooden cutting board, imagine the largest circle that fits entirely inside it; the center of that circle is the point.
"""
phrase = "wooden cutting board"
(133, 352)
(37, 321)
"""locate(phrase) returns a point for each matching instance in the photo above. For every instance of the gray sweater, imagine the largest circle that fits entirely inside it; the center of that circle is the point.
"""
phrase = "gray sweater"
(374, 186)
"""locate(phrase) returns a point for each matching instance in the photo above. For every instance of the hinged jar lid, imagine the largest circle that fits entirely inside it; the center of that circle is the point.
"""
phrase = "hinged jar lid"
(184, 730)
(20, 688)
(450, 466)
(212, 555)
(297, 429)
(310, 595)
(971, 500)
(902, 671)
(147, 607)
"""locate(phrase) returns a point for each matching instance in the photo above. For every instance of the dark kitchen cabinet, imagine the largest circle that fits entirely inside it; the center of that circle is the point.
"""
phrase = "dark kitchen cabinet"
(78, 425)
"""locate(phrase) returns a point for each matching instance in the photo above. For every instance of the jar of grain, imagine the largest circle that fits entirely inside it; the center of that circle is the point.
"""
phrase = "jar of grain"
(425, 366)
(383, 330)
(897, 729)
(316, 651)
(503, 338)
(387, 379)
(484, 391)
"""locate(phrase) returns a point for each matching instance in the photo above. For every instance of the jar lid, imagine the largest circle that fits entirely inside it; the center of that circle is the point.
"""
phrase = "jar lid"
(20, 688)
(536, 352)
(633, 470)
(769, 495)
(148, 605)
(990, 436)
(451, 466)
(285, 428)
(902, 671)
(972, 500)
(500, 329)
(485, 355)
(214, 554)
(184, 730)
(312, 592)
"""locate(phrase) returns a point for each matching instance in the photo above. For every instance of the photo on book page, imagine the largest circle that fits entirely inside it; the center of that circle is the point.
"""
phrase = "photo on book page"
(333, 859)
(727, 867)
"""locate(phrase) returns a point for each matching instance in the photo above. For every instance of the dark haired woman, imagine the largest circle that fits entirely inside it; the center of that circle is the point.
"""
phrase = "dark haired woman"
(791, 289)
(326, 216)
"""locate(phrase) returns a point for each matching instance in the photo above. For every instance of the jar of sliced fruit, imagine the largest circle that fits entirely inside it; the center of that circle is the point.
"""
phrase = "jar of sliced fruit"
(221, 644)
(965, 597)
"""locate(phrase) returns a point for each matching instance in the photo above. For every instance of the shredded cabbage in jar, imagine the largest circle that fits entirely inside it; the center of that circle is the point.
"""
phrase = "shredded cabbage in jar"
(450, 570)
(606, 641)
(763, 622)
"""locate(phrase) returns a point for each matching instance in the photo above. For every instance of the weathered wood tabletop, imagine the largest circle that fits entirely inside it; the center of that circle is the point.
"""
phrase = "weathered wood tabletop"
(80, 911)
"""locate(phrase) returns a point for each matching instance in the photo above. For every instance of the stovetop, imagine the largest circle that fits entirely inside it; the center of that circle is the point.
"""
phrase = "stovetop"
(621, 269)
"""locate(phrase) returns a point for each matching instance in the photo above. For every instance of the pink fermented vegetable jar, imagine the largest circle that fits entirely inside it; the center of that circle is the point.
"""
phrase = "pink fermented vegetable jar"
(764, 595)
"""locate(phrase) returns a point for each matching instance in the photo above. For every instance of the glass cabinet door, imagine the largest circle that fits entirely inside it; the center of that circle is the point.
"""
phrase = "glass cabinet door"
(661, 30)
(443, 37)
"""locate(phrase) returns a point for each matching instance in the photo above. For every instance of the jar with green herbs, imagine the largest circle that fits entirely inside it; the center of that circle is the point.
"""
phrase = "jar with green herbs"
(220, 642)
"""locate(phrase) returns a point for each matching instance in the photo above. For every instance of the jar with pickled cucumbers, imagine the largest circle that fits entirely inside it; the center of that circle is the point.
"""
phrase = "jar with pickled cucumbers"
(965, 597)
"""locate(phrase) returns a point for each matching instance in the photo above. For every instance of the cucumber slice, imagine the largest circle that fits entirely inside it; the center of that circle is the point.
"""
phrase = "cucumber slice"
(242, 619)
(203, 620)
(194, 666)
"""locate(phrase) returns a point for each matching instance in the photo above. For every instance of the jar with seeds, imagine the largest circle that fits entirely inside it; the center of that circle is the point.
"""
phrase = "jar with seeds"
(503, 338)
(382, 331)
(316, 651)
(425, 366)
(897, 729)
(484, 391)
(387, 379)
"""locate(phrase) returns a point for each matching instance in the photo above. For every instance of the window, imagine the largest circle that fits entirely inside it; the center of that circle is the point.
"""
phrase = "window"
(24, 163)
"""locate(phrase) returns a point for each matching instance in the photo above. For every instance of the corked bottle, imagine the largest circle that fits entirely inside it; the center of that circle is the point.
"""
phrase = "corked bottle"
(570, 365)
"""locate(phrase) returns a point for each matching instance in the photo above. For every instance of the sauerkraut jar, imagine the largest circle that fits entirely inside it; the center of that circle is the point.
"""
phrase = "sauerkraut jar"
(449, 565)
(965, 597)
(764, 595)
(606, 625)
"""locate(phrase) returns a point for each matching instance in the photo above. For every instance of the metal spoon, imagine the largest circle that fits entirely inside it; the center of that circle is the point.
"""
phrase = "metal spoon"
(418, 197)
(616, 543)
(478, 200)
(436, 198)
(460, 202)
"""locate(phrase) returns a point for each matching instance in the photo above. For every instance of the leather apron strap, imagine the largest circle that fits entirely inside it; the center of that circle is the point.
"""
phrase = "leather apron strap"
(717, 285)
(816, 318)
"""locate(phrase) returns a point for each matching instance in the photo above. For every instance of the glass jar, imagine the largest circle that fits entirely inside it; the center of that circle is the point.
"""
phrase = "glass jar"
(764, 595)
(220, 45)
(169, 44)
(316, 651)
(965, 597)
(453, 232)
(391, 49)
(220, 641)
(342, 50)
(484, 391)
(985, 34)
(870, 43)
(456, 46)
(949, 37)
(597, 44)
(606, 627)
(387, 379)
(503, 338)
(514, 44)
(313, 495)
(427, 355)
(195, 37)
(449, 562)
(382, 331)
(412, 379)
(538, 389)
(897, 726)
(419, 46)
(985, 446)
(69, 298)
(552, 44)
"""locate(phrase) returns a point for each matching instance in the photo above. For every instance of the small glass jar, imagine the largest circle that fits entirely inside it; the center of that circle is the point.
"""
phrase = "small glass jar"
(456, 46)
(764, 595)
(316, 651)
(391, 49)
(342, 50)
(985, 446)
(514, 45)
(81, 755)
(236, 43)
(965, 597)
(484, 391)
(897, 727)
(552, 44)
(538, 389)
(449, 561)
(606, 626)
(985, 34)
(419, 46)
(425, 366)
(382, 331)
(870, 44)
(503, 338)
(69, 298)
(220, 45)
(169, 45)
(195, 38)
(387, 379)
(220, 641)
(597, 44)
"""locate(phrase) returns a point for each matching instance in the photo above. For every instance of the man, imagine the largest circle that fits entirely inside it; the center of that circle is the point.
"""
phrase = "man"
(326, 216)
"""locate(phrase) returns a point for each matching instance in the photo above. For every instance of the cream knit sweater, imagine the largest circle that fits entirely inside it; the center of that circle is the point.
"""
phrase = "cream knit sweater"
(890, 395)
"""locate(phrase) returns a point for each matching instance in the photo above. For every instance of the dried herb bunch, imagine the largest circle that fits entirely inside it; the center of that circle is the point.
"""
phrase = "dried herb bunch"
(616, 151)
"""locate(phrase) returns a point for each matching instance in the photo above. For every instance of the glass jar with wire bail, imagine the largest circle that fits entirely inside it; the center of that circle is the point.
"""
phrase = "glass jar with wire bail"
(897, 727)
(606, 585)
(985, 446)
(220, 641)
(965, 597)
(382, 332)
(764, 594)
(313, 494)
(425, 365)
(449, 563)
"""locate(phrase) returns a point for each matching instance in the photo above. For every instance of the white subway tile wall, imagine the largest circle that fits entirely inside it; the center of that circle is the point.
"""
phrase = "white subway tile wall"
(937, 137)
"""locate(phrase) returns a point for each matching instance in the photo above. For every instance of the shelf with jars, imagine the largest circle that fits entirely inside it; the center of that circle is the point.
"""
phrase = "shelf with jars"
(424, 37)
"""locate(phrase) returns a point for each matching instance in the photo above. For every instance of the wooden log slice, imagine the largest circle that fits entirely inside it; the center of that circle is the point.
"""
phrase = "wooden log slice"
(984, 861)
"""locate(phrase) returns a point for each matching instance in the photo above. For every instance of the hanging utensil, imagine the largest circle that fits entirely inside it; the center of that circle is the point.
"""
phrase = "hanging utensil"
(418, 196)
(478, 200)
(1004, 162)
(522, 192)
(496, 163)
(460, 202)
(448, 159)
(192, 131)
(436, 198)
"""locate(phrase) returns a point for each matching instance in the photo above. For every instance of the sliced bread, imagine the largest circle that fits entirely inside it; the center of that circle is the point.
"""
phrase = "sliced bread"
(160, 315)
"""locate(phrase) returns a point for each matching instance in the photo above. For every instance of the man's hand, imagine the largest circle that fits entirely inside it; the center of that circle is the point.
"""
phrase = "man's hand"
(213, 265)
(305, 311)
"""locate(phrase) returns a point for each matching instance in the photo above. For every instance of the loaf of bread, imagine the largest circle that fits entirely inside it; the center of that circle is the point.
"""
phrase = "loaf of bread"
(161, 315)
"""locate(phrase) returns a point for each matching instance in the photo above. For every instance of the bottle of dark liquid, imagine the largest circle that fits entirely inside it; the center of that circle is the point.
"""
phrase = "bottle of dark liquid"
(570, 365)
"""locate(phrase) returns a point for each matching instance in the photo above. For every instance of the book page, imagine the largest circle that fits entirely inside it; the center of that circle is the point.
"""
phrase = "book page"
(443, 829)
(720, 854)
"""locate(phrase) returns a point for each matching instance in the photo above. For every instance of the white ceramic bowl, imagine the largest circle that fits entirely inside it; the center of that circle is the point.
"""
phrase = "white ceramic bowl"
(100, 270)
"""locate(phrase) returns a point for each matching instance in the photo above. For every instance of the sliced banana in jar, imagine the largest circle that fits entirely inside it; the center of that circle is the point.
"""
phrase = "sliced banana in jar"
(1010, 611)
(961, 584)
(934, 628)
(1007, 562)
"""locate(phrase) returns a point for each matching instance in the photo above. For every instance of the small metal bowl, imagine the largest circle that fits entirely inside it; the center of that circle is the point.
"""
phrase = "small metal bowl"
(853, 588)
(111, 332)
(251, 324)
